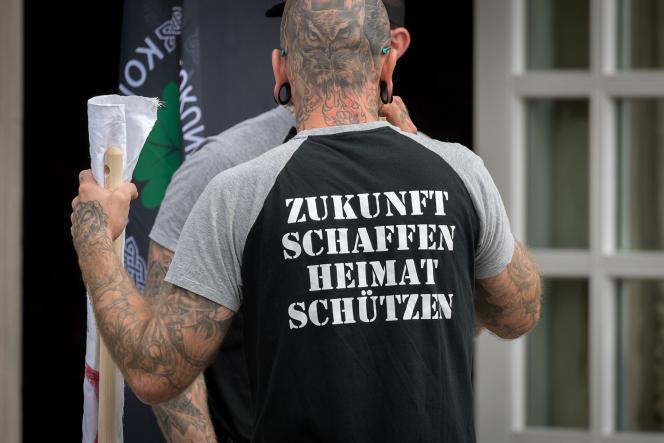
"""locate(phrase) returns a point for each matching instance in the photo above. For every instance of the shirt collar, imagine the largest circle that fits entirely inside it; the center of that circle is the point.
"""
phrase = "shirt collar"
(343, 128)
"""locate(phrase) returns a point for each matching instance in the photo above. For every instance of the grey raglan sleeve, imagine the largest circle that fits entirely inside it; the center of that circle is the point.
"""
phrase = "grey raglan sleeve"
(496, 242)
(208, 257)
(209, 253)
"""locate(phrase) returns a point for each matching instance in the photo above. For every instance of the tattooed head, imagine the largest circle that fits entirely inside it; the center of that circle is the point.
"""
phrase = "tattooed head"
(334, 47)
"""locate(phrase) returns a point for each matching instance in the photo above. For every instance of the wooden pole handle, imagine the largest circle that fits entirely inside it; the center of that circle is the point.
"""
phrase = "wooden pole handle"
(108, 420)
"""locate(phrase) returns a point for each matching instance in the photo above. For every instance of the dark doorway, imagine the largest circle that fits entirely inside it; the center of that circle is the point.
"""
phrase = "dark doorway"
(435, 76)
(72, 53)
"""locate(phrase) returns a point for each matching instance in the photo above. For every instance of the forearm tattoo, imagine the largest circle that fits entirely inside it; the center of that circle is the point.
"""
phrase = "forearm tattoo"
(186, 418)
(509, 304)
(334, 48)
(88, 228)
(162, 341)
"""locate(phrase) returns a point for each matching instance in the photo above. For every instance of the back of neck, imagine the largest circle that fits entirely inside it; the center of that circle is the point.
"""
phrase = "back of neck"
(335, 106)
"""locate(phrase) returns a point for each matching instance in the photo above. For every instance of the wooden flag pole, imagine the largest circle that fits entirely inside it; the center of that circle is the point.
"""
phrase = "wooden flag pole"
(108, 420)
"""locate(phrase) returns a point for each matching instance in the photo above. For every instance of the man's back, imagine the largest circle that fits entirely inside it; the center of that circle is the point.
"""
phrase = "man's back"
(352, 251)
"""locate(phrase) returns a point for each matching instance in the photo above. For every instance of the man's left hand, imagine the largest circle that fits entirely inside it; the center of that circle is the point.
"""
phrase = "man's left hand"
(397, 114)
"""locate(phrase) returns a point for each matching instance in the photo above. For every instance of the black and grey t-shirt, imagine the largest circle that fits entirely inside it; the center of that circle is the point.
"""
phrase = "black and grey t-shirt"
(353, 252)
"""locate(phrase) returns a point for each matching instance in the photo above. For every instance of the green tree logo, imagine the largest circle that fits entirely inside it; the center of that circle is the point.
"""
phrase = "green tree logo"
(161, 157)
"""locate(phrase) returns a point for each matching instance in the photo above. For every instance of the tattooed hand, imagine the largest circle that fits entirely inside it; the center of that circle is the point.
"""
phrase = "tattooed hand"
(99, 213)
(397, 114)
(509, 304)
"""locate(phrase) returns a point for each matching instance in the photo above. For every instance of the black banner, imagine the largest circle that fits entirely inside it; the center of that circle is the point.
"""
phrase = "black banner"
(170, 50)
(150, 65)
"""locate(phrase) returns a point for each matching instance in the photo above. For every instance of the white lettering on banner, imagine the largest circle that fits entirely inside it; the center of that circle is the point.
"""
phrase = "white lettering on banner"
(191, 116)
(367, 276)
(136, 71)
(139, 69)
(150, 51)
(136, 66)
(126, 91)
(169, 30)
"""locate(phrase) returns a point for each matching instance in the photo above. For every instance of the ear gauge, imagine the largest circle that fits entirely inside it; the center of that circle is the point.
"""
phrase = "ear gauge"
(385, 95)
(285, 94)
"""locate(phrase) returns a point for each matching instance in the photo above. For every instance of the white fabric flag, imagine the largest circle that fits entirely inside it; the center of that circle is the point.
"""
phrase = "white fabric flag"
(123, 122)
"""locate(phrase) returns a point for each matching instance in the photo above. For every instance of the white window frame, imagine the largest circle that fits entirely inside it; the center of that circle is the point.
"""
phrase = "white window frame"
(11, 187)
(501, 85)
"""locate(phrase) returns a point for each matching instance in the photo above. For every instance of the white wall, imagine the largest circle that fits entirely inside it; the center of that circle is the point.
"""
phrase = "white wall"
(11, 152)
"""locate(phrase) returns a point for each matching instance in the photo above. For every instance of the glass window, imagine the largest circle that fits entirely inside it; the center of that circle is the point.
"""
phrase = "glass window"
(557, 358)
(640, 344)
(558, 171)
(641, 174)
(558, 34)
(641, 34)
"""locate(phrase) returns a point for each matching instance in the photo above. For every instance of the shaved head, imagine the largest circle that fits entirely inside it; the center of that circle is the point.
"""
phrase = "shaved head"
(334, 49)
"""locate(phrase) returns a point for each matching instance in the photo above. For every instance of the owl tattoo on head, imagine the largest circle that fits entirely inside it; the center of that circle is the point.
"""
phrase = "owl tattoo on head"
(334, 52)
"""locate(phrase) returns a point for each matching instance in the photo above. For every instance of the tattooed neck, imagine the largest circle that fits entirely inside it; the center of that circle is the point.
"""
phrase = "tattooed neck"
(335, 108)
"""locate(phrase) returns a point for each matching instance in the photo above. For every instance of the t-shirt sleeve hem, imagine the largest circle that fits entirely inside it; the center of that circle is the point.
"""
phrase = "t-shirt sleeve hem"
(497, 265)
(164, 240)
(204, 291)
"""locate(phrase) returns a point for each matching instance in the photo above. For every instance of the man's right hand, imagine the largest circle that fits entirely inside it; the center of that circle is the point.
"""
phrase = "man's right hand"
(95, 208)
(397, 114)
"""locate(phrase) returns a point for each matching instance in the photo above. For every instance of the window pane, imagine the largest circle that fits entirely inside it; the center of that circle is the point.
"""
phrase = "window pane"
(641, 37)
(640, 355)
(641, 173)
(557, 358)
(558, 34)
(557, 162)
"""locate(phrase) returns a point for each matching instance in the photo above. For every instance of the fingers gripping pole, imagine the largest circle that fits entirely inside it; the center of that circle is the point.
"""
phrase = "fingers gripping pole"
(109, 419)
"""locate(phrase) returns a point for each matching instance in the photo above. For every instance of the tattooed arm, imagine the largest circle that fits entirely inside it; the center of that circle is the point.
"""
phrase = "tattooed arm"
(509, 303)
(162, 343)
(185, 418)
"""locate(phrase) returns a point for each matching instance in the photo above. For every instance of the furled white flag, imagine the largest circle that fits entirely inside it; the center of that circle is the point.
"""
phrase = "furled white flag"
(123, 122)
